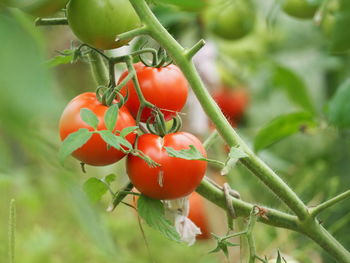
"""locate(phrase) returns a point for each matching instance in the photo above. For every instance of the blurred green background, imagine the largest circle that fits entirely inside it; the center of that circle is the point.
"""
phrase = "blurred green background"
(286, 65)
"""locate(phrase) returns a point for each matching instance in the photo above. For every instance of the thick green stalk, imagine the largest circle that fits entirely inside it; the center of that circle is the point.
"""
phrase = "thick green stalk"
(252, 162)
(99, 69)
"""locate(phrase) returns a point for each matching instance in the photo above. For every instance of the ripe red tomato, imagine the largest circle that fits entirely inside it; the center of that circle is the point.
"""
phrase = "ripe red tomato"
(98, 22)
(95, 151)
(232, 102)
(176, 177)
(199, 216)
(164, 87)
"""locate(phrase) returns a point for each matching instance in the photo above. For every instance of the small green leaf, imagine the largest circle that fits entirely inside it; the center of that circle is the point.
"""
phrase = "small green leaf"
(152, 211)
(339, 106)
(111, 116)
(282, 127)
(293, 85)
(191, 154)
(73, 142)
(188, 154)
(95, 189)
(89, 117)
(114, 140)
(126, 131)
(233, 157)
(110, 178)
(66, 57)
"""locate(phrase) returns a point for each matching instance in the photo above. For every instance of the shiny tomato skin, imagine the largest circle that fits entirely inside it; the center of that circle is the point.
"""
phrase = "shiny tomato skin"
(165, 87)
(199, 216)
(179, 177)
(232, 102)
(95, 151)
(98, 22)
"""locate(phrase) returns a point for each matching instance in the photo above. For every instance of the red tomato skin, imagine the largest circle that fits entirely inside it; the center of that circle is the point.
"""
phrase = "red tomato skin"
(232, 102)
(165, 87)
(95, 151)
(199, 216)
(180, 177)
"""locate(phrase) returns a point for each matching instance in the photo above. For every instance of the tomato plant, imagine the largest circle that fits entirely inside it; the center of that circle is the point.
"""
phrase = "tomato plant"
(199, 216)
(40, 8)
(232, 102)
(300, 8)
(175, 177)
(230, 21)
(98, 22)
(165, 87)
(95, 151)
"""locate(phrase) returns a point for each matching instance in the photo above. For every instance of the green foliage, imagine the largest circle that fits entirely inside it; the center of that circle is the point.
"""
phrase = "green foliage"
(282, 127)
(66, 57)
(152, 211)
(339, 106)
(111, 116)
(340, 40)
(114, 140)
(233, 157)
(95, 189)
(73, 142)
(287, 80)
(89, 117)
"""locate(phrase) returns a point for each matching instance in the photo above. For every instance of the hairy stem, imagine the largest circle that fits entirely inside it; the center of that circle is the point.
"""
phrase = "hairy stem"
(318, 209)
(98, 68)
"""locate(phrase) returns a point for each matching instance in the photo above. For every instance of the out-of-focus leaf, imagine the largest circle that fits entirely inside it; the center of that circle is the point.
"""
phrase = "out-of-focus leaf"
(340, 38)
(186, 4)
(95, 189)
(73, 142)
(111, 116)
(293, 85)
(152, 211)
(66, 57)
(339, 106)
(282, 127)
(89, 117)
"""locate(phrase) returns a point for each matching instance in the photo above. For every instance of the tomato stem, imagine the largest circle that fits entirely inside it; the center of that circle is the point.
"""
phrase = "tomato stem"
(193, 51)
(58, 21)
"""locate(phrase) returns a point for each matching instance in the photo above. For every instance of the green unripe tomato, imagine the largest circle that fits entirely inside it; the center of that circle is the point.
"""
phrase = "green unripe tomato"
(329, 19)
(300, 8)
(98, 22)
(39, 8)
(230, 20)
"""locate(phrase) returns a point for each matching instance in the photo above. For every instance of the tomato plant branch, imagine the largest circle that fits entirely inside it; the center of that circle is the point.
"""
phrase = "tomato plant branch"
(193, 51)
(132, 33)
(252, 162)
(335, 200)
(98, 68)
(250, 239)
(59, 21)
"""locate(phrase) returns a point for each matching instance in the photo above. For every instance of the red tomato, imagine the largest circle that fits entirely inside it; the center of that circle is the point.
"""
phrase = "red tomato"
(95, 151)
(165, 87)
(176, 177)
(198, 215)
(232, 103)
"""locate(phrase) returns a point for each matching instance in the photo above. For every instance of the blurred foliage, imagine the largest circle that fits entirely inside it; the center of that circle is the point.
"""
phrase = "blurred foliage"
(287, 64)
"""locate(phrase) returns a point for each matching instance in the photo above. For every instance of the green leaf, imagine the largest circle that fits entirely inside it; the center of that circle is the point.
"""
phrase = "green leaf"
(73, 142)
(66, 57)
(279, 259)
(111, 116)
(340, 40)
(233, 157)
(89, 117)
(339, 106)
(188, 154)
(114, 140)
(282, 127)
(110, 178)
(293, 85)
(95, 189)
(152, 211)
(126, 131)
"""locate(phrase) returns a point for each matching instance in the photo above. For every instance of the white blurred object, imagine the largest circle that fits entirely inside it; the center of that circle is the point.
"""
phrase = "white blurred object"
(178, 211)
(205, 62)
